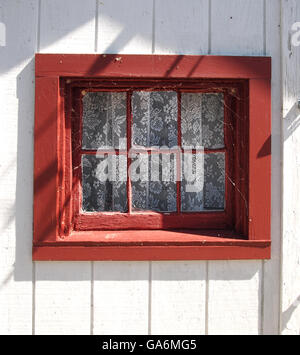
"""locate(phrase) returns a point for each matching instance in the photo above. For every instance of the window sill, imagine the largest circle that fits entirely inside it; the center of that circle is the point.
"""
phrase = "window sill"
(137, 245)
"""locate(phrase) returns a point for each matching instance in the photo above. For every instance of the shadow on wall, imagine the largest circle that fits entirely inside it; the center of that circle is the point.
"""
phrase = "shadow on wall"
(292, 120)
(287, 315)
(24, 188)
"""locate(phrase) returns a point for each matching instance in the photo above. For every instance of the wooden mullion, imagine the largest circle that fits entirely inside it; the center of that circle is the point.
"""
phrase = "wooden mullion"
(213, 151)
(178, 156)
(103, 152)
(129, 144)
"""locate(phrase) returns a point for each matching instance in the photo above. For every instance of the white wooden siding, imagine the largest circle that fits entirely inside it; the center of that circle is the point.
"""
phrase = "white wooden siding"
(290, 320)
(224, 297)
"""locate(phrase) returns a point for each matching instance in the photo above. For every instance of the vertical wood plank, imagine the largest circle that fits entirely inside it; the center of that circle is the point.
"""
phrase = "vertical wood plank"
(125, 26)
(178, 288)
(178, 298)
(290, 317)
(67, 26)
(63, 290)
(181, 27)
(271, 287)
(121, 290)
(121, 298)
(234, 298)
(63, 298)
(18, 44)
(237, 28)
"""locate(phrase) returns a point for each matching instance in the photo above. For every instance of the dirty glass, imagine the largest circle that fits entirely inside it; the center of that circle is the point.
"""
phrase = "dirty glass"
(104, 120)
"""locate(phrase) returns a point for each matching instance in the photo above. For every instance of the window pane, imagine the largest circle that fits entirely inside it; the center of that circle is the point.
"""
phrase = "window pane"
(192, 182)
(202, 120)
(104, 120)
(203, 182)
(154, 118)
(154, 182)
(214, 181)
(104, 183)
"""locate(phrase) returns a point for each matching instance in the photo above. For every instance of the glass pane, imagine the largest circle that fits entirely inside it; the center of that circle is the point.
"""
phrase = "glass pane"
(104, 183)
(202, 120)
(154, 182)
(203, 182)
(214, 181)
(191, 120)
(154, 118)
(192, 182)
(104, 120)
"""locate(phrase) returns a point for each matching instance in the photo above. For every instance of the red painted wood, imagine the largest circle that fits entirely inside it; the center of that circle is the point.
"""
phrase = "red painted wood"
(142, 253)
(178, 157)
(46, 172)
(129, 145)
(150, 220)
(229, 135)
(183, 237)
(186, 85)
(260, 160)
(76, 124)
(240, 179)
(56, 188)
(152, 66)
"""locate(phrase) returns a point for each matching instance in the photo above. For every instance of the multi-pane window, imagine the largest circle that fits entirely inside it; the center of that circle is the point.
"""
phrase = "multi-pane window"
(152, 150)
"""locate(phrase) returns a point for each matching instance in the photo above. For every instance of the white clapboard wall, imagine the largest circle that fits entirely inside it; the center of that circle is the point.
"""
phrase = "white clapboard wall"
(224, 297)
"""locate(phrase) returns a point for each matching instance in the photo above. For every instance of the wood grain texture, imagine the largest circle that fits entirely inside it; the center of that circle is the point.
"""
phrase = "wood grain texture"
(290, 317)
(121, 298)
(16, 168)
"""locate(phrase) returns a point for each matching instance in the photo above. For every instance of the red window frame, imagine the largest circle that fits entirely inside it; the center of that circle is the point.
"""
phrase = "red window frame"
(62, 232)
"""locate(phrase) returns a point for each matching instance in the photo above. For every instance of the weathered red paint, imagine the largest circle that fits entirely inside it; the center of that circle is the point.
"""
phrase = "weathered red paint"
(152, 66)
(62, 233)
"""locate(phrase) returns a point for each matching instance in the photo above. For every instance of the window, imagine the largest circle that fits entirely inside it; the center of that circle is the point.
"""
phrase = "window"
(159, 155)
(152, 157)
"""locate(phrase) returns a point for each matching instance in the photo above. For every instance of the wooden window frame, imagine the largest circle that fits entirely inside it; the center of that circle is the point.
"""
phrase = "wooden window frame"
(59, 231)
